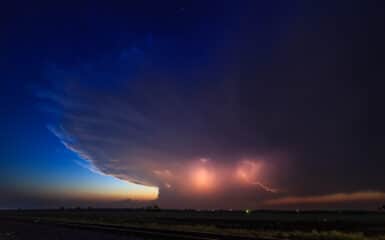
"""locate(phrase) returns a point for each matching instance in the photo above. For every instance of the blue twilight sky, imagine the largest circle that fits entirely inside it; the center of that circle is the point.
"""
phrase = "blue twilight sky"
(97, 96)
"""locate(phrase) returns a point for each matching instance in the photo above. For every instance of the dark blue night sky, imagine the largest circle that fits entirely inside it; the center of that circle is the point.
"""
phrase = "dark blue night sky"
(185, 102)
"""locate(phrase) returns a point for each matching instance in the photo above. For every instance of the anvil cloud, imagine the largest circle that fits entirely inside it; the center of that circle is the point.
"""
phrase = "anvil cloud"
(186, 141)
(264, 108)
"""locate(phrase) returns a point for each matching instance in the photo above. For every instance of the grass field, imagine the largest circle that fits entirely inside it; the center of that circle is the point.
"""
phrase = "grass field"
(278, 224)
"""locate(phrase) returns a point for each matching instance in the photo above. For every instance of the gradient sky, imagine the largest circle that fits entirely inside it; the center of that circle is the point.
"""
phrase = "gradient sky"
(192, 104)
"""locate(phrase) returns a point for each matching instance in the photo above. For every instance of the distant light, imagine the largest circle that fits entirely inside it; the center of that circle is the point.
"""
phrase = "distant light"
(247, 211)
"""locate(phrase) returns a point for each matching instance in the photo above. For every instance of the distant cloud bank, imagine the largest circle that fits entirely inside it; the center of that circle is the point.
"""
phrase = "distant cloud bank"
(363, 196)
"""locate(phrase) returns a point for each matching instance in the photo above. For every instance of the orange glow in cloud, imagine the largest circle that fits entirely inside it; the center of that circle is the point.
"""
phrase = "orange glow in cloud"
(247, 171)
(202, 179)
(204, 176)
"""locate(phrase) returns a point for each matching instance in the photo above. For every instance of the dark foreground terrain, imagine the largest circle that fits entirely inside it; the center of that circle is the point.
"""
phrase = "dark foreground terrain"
(172, 224)
(21, 230)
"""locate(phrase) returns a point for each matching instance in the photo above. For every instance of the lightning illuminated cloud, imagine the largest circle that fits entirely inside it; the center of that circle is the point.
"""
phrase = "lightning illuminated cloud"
(155, 131)
(226, 104)
(154, 136)
(233, 127)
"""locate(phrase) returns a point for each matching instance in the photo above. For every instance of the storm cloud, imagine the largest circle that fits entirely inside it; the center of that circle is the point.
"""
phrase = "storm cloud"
(259, 117)
(157, 132)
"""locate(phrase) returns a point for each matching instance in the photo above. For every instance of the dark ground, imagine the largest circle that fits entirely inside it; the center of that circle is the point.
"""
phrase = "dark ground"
(181, 224)
(21, 229)
(18, 230)
(352, 221)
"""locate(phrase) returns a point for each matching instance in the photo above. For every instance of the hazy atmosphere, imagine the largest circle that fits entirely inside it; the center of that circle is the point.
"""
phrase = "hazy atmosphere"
(192, 104)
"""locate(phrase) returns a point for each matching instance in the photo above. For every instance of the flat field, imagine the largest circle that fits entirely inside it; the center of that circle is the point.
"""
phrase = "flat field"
(255, 224)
